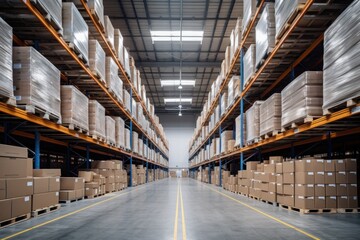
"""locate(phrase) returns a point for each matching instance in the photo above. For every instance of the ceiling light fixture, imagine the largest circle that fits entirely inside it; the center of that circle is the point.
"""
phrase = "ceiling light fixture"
(177, 100)
(180, 114)
(177, 83)
(180, 86)
(175, 36)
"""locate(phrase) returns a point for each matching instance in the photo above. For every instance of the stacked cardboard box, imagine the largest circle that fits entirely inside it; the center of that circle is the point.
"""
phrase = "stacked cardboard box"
(270, 115)
(110, 130)
(249, 64)
(141, 177)
(119, 132)
(113, 82)
(268, 186)
(135, 142)
(101, 181)
(97, 58)
(97, 7)
(16, 182)
(216, 179)
(119, 45)
(71, 188)
(92, 187)
(233, 183)
(237, 34)
(253, 122)
(96, 119)
(226, 136)
(127, 139)
(244, 182)
(134, 174)
(127, 100)
(285, 180)
(225, 175)
(106, 169)
(249, 10)
(6, 65)
(46, 188)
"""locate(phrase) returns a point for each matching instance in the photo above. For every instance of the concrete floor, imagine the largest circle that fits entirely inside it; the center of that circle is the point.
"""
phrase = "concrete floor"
(203, 212)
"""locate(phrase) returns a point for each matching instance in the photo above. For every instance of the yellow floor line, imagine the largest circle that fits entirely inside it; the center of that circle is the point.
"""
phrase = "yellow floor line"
(176, 214)
(182, 216)
(267, 215)
(68, 214)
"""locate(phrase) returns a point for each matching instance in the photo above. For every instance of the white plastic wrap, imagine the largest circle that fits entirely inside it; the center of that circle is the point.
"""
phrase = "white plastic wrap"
(253, 122)
(53, 8)
(127, 139)
(36, 81)
(134, 76)
(113, 81)
(109, 31)
(71, 113)
(230, 92)
(133, 110)
(97, 7)
(249, 63)
(224, 100)
(225, 137)
(75, 29)
(97, 119)
(6, 63)
(110, 130)
(127, 100)
(238, 33)
(119, 132)
(97, 59)
(302, 98)
(270, 114)
(126, 61)
(265, 33)
(249, 9)
(342, 64)
(135, 144)
(284, 9)
(119, 45)
(238, 130)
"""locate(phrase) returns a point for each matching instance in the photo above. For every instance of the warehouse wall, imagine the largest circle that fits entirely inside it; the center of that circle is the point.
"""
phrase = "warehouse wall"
(178, 130)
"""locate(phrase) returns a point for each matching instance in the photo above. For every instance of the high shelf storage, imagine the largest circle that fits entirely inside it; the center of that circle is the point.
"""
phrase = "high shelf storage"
(301, 36)
(33, 26)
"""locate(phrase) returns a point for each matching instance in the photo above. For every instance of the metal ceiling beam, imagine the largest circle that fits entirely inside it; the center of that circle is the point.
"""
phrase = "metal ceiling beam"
(172, 18)
(176, 64)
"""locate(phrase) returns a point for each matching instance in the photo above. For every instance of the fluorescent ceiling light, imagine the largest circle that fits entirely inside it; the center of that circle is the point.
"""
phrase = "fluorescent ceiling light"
(176, 100)
(187, 36)
(177, 83)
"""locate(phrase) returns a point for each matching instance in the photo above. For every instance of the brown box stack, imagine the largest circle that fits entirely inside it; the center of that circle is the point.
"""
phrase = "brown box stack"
(98, 178)
(16, 182)
(216, 179)
(92, 187)
(71, 188)
(233, 183)
(285, 180)
(268, 183)
(106, 169)
(134, 174)
(141, 174)
(46, 188)
(225, 175)
(243, 182)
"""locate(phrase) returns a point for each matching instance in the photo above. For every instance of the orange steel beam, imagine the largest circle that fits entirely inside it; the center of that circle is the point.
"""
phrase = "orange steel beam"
(53, 32)
(113, 55)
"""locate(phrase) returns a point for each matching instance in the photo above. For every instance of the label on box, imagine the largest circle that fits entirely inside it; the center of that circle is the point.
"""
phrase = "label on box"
(76, 180)
(340, 161)
(310, 185)
(18, 98)
(333, 197)
(319, 160)
(353, 185)
(321, 198)
(332, 185)
(308, 161)
(343, 185)
(16, 65)
(58, 180)
(320, 185)
(320, 173)
(57, 193)
(29, 184)
(344, 197)
(87, 188)
(328, 161)
(26, 199)
(310, 173)
(342, 173)
(329, 173)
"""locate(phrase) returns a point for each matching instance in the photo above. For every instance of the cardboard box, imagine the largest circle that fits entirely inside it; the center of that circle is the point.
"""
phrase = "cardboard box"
(342, 202)
(20, 206)
(320, 202)
(279, 188)
(288, 167)
(351, 177)
(329, 165)
(340, 165)
(352, 189)
(13, 151)
(111, 179)
(288, 200)
(304, 202)
(330, 177)
(117, 164)
(353, 202)
(19, 187)
(350, 165)
(54, 172)
(272, 187)
(304, 165)
(41, 185)
(251, 165)
(307, 190)
(304, 177)
(91, 192)
(279, 168)
(319, 165)
(341, 189)
(87, 175)
(2, 189)
(275, 159)
(79, 193)
(320, 177)
(289, 189)
(110, 187)
(71, 183)
(289, 178)
(320, 190)
(16, 167)
(67, 195)
(105, 172)
(54, 184)
(330, 190)
(43, 200)
(264, 187)
(341, 177)
(103, 164)
(5, 206)
(269, 168)
(92, 185)
(260, 167)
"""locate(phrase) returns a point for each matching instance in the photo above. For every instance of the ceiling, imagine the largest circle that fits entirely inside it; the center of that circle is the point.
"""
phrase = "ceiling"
(161, 60)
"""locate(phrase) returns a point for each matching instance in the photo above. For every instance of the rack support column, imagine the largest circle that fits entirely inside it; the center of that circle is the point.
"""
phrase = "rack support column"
(37, 150)
(242, 108)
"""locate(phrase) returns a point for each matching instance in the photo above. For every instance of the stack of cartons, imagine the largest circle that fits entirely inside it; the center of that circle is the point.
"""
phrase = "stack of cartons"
(253, 122)
(216, 179)
(101, 180)
(106, 169)
(233, 182)
(96, 120)
(285, 183)
(269, 183)
(238, 131)
(124, 179)
(134, 174)
(119, 45)
(225, 175)
(109, 32)
(135, 144)
(256, 184)
(46, 189)
(243, 182)
(118, 174)
(110, 131)
(97, 58)
(71, 188)
(91, 187)
(226, 136)
(140, 174)
(119, 132)
(16, 182)
(127, 139)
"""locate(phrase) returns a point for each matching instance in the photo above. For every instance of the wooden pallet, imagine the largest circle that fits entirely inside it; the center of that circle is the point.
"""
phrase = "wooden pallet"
(70, 201)
(12, 221)
(256, 140)
(255, 198)
(93, 196)
(269, 202)
(263, 59)
(348, 210)
(298, 122)
(97, 74)
(43, 211)
(269, 134)
(8, 100)
(349, 103)
(112, 144)
(289, 21)
(77, 51)
(75, 127)
(307, 211)
(101, 25)
(41, 113)
(98, 138)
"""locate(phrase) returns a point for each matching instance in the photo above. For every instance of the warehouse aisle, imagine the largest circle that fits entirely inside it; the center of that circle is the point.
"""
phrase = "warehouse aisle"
(181, 209)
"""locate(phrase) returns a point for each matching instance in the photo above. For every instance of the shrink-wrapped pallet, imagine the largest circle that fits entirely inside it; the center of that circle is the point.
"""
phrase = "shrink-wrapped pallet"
(302, 99)
(265, 33)
(6, 63)
(133, 108)
(249, 9)
(253, 122)
(249, 63)
(119, 45)
(237, 34)
(114, 83)
(110, 130)
(270, 115)
(127, 100)
(119, 132)
(341, 64)
(134, 76)
(76, 30)
(97, 59)
(52, 11)
(135, 140)
(96, 120)
(227, 60)
(218, 146)
(127, 139)
(138, 81)
(238, 130)
(127, 61)
(143, 93)
(284, 11)
(141, 147)
(224, 100)
(72, 115)
(97, 7)
(225, 137)
(109, 31)
(36, 82)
